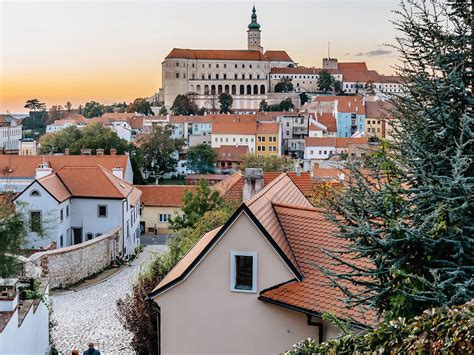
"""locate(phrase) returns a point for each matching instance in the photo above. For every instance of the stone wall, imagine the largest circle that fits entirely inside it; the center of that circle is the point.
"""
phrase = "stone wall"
(69, 265)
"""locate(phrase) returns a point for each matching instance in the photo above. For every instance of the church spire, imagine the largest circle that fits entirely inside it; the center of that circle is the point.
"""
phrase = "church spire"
(254, 24)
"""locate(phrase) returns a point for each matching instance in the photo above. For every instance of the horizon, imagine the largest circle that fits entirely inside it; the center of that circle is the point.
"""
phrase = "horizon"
(112, 51)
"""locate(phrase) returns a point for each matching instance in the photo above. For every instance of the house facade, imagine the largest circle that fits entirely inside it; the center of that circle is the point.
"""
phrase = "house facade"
(249, 286)
(77, 204)
(10, 133)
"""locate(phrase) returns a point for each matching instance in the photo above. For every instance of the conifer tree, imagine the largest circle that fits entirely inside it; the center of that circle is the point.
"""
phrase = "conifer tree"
(411, 210)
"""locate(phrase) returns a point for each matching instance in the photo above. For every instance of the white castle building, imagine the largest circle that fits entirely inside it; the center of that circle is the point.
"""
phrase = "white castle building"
(245, 74)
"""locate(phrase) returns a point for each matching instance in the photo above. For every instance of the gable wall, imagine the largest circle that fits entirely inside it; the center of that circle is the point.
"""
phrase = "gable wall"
(201, 314)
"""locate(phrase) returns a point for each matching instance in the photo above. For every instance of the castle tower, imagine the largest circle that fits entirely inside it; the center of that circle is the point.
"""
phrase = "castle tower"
(253, 33)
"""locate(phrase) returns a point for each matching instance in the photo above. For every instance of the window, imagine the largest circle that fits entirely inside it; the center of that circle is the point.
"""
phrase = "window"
(35, 193)
(165, 217)
(243, 271)
(67, 211)
(177, 75)
(61, 215)
(61, 241)
(89, 236)
(102, 211)
(35, 221)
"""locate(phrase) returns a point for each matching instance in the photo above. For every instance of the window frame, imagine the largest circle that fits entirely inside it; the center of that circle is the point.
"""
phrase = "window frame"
(233, 274)
(98, 211)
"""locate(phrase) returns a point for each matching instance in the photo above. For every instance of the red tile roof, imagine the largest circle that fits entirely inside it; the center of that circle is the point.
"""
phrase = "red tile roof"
(345, 142)
(362, 76)
(278, 56)
(391, 79)
(164, 195)
(268, 128)
(245, 128)
(320, 141)
(352, 66)
(231, 153)
(328, 120)
(308, 233)
(24, 166)
(377, 109)
(232, 187)
(216, 54)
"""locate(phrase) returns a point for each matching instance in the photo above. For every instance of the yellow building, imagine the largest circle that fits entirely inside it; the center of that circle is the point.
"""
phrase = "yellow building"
(376, 115)
(268, 139)
(160, 203)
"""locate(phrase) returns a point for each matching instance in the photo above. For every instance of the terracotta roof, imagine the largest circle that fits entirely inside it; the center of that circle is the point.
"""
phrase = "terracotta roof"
(104, 120)
(164, 195)
(352, 66)
(278, 56)
(119, 116)
(353, 104)
(301, 71)
(231, 153)
(390, 79)
(313, 127)
(362, 76)
(24, 166)
(345, 142)
(268, 128)
(55, 187)
(231, 188)
(302, 181)
(245, 128)
(328, 120)
(65, 121)
(377, 109)
(76, 117)
(308, 233)
(216, 54)
(320, 142)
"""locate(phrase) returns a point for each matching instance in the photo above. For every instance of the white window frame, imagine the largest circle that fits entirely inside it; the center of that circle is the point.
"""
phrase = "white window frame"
(235, 253)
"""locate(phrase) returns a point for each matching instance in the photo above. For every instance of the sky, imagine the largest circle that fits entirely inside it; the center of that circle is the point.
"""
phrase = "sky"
(111, 51)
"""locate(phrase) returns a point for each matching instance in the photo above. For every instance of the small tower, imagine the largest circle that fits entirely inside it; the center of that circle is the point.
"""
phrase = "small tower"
(253, 33)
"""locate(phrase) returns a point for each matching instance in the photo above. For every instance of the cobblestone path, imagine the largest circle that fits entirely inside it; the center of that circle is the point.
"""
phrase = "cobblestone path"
(89, 314)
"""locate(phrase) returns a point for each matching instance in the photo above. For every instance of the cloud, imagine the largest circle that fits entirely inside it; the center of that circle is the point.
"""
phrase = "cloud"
(374, 53)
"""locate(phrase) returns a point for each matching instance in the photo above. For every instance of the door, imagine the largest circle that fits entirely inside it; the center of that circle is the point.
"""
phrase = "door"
(77, 235)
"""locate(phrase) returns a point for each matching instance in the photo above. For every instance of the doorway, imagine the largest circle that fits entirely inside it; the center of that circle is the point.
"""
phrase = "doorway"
(77, 235)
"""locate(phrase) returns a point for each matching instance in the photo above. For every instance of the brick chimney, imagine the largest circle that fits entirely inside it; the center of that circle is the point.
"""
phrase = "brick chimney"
(118, 172)
(86, 151)
(253, 182)
(113, 151)
(99, 151)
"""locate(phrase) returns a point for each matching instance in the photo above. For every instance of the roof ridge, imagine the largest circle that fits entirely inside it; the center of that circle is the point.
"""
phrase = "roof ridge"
(263, 191)
(296, 207)
(110, 175)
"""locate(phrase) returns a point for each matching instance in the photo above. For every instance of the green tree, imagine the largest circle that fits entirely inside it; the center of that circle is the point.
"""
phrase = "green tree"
(158, 151)
(184, 105)
(163, 111)
(35, 105)
(93, 109)
(140, 105)
(263, 106)
(325, 81)
(225, 101)
(13, 231)
(338, 87)
(284, 85)
(304, 98)
(54, 113)
(411, 214)
(196, 204)
(266, 163)
(201, 159)
(287, 105)
(68, 106)
(36, 121)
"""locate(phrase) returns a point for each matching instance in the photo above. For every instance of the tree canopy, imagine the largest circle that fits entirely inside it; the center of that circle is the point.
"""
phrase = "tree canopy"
(287, 105)
(184, 105)
(201, 159)
(93, 109)
(325, 81)
(35, 105)
(266, 163)
(225, 101)
(284, 85)
(140, 105)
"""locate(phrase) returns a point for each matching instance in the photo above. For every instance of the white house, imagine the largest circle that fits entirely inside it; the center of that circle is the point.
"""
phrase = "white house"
(24, 326)
(10, 133)
(76, 204)
(234, 133)
(319, 147)
(250, 286)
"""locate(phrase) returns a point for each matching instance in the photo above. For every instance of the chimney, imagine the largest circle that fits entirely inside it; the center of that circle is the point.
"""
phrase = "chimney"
(66, 151)
(99, 151)
(86, 151)
(9, 295)
(42, 170)
(253, 182)
(298, 169)
(118, 172)
(113, 151)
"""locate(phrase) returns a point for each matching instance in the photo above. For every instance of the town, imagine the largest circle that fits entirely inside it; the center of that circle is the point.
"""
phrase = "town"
(251, 205)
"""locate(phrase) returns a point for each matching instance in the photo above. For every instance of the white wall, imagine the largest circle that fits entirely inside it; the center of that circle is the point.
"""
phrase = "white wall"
(318, 152)
(234, 139)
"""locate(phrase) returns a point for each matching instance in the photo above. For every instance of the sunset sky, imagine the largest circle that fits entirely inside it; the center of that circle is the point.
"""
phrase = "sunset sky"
(111, 51)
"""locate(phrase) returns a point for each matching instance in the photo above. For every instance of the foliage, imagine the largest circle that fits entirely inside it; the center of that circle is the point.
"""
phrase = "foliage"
(225, 101)
(140, 105)
(35, 105)
(138, 315)
(201, 159)
(304, 98)
(163, 111)
(286, 105)
(93, 109)
(370, 87)
(196, 204)
(54, 113)
(263, 106)
(325, 81)
(284, 85)
(93, 136)
(35, 121)
(436, 331)
(13, 231)
(266, 163)
(338, 87)
(159, 151)
(184, 105)
(68, 106)
(410, 213)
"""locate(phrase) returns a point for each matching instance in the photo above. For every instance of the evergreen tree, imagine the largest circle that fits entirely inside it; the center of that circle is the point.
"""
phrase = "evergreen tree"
(325, 81)
(412, 212)
(226, 101)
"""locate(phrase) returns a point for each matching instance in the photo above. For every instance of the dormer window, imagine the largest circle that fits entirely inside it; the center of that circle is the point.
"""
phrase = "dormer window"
(35, 193)
(243, 271)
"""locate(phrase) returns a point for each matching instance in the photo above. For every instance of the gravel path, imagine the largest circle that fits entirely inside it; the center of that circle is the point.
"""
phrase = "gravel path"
(89, 314)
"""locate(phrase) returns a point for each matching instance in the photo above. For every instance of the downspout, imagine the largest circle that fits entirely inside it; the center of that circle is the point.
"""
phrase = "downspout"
(316, 324)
